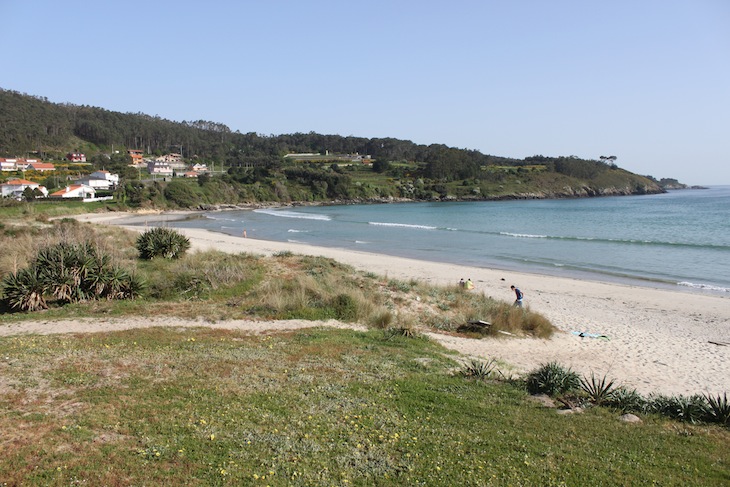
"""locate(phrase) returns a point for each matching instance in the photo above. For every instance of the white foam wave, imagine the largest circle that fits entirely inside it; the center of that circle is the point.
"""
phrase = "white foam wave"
(294, 214)
(361, 242)
(708, 287)
(404, 225)
(292, 230)
(211, 217)
(522, 235)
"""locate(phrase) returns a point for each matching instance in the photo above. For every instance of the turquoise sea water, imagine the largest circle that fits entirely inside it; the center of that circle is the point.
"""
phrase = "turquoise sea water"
(680, 239)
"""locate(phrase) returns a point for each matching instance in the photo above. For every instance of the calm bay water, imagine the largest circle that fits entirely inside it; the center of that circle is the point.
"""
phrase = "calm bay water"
(680, 239)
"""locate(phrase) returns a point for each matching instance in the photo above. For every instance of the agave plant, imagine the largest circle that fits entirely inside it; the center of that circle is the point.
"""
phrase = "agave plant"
(70, 273)
(718, 409)
(690, 409)
(24, 291)
(626, 400)
(479, 369)
(162, 242)
(552, 379)
(133, 287)
(598, 390)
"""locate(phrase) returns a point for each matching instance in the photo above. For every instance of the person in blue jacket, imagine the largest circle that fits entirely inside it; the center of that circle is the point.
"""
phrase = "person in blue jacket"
(519, 295)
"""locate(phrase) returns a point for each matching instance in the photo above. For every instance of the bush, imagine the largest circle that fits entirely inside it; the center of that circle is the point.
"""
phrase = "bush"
(626, 400)
(71, 273)
(24, 291)
(162, 242)
(183, 194)
(598, 390)
(345, 307)
(512, 319)
(690, 409)
(552, 379)
(478, 369)
(718, 409)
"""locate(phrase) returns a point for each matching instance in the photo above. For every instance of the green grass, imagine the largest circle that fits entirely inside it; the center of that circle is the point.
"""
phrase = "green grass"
(318, 407)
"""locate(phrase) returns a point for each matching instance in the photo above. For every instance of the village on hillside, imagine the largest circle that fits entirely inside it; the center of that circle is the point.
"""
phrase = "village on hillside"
(75, 178)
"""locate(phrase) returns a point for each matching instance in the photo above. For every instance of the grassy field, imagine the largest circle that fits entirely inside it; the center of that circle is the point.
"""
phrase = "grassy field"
(317, 407)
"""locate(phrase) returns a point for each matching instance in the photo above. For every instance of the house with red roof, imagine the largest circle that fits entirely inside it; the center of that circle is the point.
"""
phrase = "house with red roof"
(76, 157)
(15, 187)
(41, 166)
(75, 191)
(8, 164)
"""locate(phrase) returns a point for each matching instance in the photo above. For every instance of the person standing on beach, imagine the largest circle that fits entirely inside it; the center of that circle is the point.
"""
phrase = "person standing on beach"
(519, 295)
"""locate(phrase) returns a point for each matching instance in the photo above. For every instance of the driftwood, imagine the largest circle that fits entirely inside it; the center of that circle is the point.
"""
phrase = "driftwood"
(722, 344)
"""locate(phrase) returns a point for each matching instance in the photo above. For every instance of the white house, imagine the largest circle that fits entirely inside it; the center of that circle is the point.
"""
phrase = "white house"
(112, 178)
(15, 187)
(8, 164)
(100, 180)
(163, 168)
(94, 183)
(170, 158)
(75, 191)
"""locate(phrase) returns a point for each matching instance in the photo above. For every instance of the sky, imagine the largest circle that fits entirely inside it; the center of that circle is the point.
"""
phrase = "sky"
(647, 81)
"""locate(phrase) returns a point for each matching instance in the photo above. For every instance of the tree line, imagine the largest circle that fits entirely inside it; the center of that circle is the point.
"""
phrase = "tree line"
(31, 124)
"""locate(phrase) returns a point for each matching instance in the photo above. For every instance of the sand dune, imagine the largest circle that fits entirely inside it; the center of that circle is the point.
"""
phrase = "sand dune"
(658, 340)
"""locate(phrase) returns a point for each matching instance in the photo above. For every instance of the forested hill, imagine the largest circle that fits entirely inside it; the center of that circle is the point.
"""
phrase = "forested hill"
(34, 126)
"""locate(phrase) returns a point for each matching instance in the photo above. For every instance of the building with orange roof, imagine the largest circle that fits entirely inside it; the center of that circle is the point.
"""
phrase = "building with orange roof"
(75, 191)
(41, 166)
(137, 156)
(14, 188)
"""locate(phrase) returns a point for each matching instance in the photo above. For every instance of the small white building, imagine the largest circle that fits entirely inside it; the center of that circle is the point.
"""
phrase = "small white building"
(112, 178)
(15, 187)
(8, 164)
(75, 191)
(156, 167)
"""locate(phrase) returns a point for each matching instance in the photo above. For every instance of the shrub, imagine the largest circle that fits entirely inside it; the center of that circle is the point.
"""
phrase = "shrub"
(381, 319)
(626, 400)
(552, 379)
(162, 242)
(718, 409)
(512, 319)
(598, 390)
(183, 194)
(479, 369)
(690, 409)
(71, 273)
(345, 307)
(24, 291)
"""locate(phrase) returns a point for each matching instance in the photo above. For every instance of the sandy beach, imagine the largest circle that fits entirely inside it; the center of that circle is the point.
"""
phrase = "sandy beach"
(660, 341)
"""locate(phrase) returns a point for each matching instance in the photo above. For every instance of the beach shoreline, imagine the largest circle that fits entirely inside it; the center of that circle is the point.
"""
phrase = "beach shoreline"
(659, 340)
(169, 218)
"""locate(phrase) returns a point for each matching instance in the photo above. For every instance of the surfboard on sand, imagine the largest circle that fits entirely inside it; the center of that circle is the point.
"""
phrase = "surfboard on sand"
(585, 334)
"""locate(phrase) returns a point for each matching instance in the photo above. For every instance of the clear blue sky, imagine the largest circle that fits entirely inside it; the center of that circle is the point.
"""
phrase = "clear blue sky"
(645, 80)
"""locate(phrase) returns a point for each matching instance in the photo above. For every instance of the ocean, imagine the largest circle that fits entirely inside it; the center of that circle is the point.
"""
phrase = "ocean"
(680, 239)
